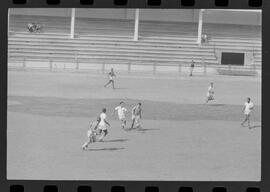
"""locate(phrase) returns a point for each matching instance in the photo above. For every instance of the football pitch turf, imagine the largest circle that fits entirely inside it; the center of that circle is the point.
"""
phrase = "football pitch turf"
(181, 138)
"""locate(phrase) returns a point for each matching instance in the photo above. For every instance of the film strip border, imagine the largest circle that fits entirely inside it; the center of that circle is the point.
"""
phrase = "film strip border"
(248, 4)
(125, 186)
(108, 187)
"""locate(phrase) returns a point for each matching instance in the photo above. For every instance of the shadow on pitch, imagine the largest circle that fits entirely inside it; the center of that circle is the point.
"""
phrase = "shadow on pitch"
(106, 149)
(120, 88)
(217, 105)
(141, 129)
(145, 130)
(116, 140)
(255, 126)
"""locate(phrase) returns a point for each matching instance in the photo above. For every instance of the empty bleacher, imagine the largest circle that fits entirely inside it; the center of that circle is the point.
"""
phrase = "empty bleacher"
(101, 40)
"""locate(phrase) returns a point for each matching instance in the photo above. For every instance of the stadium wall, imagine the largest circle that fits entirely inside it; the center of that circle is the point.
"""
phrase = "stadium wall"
(169, 15)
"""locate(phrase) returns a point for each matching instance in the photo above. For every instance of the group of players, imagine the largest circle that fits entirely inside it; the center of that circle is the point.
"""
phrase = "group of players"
(248, 106)
(100, 127)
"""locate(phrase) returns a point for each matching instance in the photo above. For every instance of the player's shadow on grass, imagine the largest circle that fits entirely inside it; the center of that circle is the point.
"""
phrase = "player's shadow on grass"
(151, 129)
(120, 88)
(217, 105)
(255, 126)
(141, 129)
(106, 149)
(116, 140)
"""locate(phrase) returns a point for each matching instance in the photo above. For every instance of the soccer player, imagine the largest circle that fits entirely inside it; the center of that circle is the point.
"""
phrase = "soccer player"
(111, 76)
(248, 107)
(121, 110)
(192, 67)
(136, 115)
(103, 124)
(91, 133)
(210, 92)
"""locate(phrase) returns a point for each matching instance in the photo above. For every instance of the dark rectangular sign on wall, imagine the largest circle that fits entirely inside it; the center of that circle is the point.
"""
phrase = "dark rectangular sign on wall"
(232, 58)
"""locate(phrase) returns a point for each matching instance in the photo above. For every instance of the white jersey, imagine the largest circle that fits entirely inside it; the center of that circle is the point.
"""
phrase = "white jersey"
(248, 107)
(210, 91)
(121, 112)
(136, 111)
(102, 123)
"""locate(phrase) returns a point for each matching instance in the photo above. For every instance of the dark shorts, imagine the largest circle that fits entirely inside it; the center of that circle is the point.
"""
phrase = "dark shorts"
(105, 131)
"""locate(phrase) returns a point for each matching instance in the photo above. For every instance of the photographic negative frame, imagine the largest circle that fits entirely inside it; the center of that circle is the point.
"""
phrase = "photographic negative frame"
(148, 185)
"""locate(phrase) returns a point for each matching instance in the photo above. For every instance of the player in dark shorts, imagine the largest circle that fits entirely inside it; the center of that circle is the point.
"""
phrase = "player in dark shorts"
(192, 67)
(111, 76)
(136, 116)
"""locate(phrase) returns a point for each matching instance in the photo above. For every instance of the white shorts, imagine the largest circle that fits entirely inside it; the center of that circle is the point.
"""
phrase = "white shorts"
(136, 118)
(122, 118)
(102, 127)
(247, 112)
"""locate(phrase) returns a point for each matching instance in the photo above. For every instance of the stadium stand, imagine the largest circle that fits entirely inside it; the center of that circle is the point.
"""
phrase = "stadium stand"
(110, 41)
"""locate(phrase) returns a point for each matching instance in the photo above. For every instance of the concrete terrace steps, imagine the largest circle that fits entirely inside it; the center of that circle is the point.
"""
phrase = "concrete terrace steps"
(110, 49)
(107, 39)
(145, 26)
(132, 45)
(154, 38)
(75, 44)
(159, 27)
(110, 54)
(141, 42)
(150, 43)
(101, 36)
(111, 43)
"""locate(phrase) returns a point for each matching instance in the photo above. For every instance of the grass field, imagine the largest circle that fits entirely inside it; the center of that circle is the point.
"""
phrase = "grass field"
(181, 138)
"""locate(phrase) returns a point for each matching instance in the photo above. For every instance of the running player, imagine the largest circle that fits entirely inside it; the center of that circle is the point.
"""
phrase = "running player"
(192, 67)
(210, 92)
(91, 133)
(248, 107)
(136, 115)
(121, 110)
(111, 76)
(103, 124)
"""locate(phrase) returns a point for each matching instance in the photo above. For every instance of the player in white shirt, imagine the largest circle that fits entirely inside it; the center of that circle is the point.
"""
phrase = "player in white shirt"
(248, 107)
(111, 76)
(136, 116)
(103, 124)
(121, 110)
(210, 93)
(91, 133)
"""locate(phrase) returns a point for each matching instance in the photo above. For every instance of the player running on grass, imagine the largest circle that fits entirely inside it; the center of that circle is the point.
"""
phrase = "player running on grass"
(248, 107)
(136, 115)
(192, 67)
(210, 93)
(121, 110)
(103, 125)
(91, 133)
(111, 76)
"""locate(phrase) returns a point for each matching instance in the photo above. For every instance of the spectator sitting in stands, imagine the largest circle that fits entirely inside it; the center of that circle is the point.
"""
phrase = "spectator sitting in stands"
(34, 28)
(204, 38)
